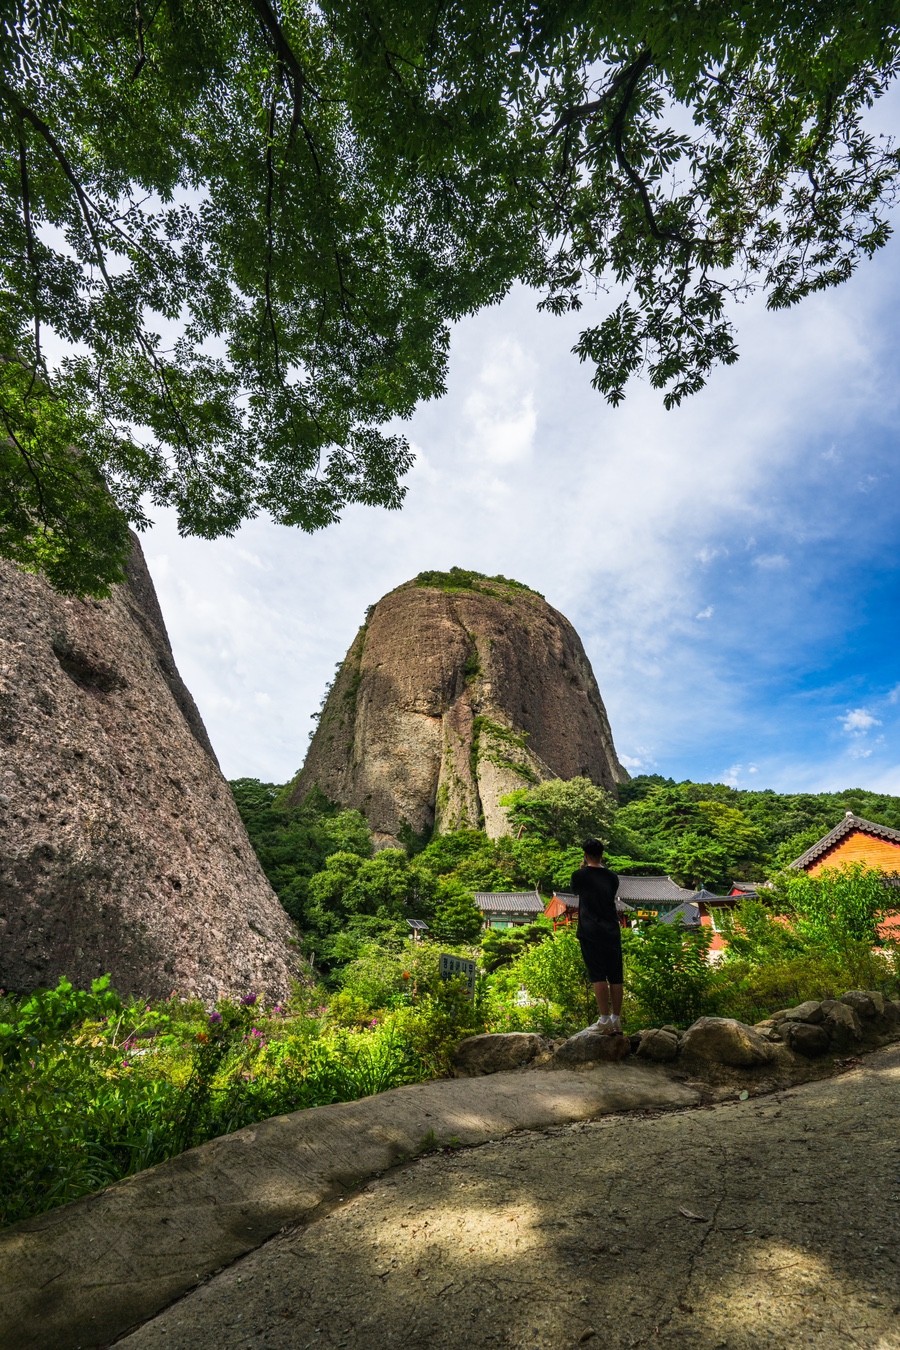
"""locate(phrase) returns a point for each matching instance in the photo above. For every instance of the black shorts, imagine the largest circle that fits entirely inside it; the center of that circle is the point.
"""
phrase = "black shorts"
(602, 953)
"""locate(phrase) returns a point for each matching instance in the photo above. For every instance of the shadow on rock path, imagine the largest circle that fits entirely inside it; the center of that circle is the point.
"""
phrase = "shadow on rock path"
(773, 1222)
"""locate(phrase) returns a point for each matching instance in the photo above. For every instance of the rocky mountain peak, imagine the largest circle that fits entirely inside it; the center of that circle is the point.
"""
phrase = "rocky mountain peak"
(457, 689)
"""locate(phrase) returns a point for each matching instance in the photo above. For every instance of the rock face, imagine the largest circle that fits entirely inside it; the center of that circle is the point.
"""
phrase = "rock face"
(121, 849)
(590, 1047)
(725, 1041)
(805, 1038)
(457, 690)
(487, 1053)
(658, 1045)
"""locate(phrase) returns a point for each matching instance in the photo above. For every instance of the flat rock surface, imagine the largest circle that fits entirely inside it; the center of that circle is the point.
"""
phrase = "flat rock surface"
(85, 1273)
(773, 1222)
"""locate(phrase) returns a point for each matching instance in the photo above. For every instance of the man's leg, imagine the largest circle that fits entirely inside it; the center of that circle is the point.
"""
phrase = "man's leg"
(601, 994)
(616, 991)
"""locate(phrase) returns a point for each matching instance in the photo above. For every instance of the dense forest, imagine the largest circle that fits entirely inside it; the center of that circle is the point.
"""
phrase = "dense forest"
(320, 861)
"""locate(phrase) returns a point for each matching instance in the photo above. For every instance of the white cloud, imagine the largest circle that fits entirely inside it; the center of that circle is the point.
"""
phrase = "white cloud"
(500, 409)
(859, 721)
(731, 777)
(625, 519)
(251, 558)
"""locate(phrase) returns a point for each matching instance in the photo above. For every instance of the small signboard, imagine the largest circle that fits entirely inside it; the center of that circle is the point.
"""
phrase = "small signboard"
(458, 965)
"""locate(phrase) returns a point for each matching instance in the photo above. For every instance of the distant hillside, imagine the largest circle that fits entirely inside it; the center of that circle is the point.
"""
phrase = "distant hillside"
(733, 834)
(319, 860)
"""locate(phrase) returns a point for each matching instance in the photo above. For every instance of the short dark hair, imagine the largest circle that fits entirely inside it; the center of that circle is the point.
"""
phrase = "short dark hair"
(593, 848)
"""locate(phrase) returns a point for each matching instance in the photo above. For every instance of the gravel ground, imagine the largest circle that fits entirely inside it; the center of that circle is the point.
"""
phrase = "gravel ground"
(773, 1222)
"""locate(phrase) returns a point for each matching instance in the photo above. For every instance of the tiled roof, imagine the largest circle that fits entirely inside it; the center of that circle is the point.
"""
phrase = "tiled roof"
(572, 901)
(523, 902)
(848, 825)
(687, 910)
(652, 888)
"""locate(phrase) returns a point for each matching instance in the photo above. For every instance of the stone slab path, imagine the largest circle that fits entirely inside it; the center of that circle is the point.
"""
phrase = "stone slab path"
(77, 1277)
(773, 1222)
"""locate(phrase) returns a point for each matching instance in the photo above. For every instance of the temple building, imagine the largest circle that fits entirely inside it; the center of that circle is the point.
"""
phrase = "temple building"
(508, 909)
(853, 840)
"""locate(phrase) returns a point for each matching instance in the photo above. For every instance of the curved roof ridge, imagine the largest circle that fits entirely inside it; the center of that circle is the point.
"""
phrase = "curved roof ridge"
(844, 827)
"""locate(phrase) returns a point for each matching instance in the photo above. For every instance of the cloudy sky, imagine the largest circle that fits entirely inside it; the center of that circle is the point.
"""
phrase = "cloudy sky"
(731, 565)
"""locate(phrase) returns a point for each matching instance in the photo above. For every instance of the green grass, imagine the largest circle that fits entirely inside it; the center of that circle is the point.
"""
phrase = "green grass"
(107, 1090)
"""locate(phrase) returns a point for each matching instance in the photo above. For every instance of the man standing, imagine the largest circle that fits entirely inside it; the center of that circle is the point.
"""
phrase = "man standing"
(599, 934)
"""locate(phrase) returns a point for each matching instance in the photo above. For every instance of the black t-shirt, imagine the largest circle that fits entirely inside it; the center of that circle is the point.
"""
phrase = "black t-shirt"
(596, 890)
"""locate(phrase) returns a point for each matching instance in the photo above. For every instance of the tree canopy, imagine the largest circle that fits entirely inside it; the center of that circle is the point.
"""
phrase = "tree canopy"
(233, 235)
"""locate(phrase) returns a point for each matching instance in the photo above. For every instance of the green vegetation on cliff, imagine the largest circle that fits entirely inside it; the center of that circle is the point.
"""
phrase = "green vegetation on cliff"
(462, 579)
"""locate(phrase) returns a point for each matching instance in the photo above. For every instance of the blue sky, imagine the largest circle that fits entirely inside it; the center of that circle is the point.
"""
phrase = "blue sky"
(731, 565)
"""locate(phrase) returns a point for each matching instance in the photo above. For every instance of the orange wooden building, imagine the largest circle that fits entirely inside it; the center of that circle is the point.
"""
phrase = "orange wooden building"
(854, 840)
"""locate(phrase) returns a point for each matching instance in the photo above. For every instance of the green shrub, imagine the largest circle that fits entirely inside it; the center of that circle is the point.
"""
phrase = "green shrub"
(88, 1102)
(814, 939)
(554, 973)
(836, 909)
(457, 918)
(751, 991)
(47, 1014)
(504, 946)
(667, 973)
(566, 811)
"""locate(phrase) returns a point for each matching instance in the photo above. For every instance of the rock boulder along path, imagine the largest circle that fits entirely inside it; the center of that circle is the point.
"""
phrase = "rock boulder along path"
(772, 1222)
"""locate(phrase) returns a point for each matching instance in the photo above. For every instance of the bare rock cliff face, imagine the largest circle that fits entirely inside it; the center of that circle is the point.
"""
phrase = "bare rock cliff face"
(121, 848)
(448, 699)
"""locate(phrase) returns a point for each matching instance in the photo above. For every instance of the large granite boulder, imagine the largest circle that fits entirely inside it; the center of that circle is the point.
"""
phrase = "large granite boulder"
(865, 1003)
(806, 1038)
(496, 1053)
(658, 1045)
(842, 1025)
(590, 1047)
(810, 1011)
(121, 848)
(457, 690)
(724, 1040)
